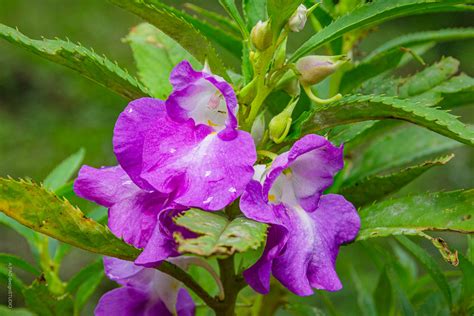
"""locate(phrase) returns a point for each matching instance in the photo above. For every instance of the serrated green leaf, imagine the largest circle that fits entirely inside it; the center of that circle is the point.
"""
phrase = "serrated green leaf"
(8, 259)
(254, 11)
(42, 211)
(357, 108)
(64, 171)
(409, 40)
(176, 27)
(345, 133)
(97, 68)
(368, 15)
(373, 188)
(279, 11)
(156, 55)
(41, 301)
(430, 265)
(218, 235)
(410, 215)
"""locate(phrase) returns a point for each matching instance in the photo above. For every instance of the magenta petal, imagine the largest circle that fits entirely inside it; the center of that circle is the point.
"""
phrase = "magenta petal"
(313, 162)
(128, 301)
(313, 244)
(129, 132)
(196, 93)
(132, 211)
(208, 172)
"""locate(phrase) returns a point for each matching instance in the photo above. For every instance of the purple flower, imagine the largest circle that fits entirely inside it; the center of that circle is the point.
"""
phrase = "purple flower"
(307, 227)
(144, 291)
(142, 218)
(188, 145)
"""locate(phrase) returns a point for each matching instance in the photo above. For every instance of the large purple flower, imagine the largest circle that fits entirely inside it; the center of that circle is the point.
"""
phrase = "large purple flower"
(189, 144)
(307, 227)
(142, 218)
(144, 291)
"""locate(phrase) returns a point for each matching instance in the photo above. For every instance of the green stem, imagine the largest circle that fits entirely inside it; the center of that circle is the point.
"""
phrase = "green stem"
(49, 267)
(232, 285)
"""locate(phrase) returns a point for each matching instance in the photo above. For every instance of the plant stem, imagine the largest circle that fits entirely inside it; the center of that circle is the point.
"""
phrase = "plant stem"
(232, 286)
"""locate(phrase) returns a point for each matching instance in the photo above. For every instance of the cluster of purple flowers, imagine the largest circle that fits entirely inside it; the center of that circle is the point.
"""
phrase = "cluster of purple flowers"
(188, 152)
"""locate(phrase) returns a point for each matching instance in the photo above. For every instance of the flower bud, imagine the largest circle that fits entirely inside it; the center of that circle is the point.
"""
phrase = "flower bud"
(261, 35)
(280, 124)
(313, 69)
(298, 19)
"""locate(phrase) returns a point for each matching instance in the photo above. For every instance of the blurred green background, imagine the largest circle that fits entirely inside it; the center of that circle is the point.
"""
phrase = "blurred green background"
(48, 112)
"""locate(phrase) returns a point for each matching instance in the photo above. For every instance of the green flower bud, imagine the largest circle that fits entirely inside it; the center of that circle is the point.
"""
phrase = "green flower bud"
(261, 35)
(298, 19)
(280, 124)
(313, 69)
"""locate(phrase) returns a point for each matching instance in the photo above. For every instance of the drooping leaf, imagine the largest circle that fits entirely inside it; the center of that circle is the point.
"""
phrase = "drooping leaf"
(8, 259)
(10, 278)
(89, 64)
(42, 211)
(410, 215)
(40, 300)
(156, 55)
(373, 188)
(409, 40)
(176, 27)
(368, 15)
(254, 11)
(218, 235)
(429, 264)
(279, 11)
(64, 171)
(6, 311)
(357, 108)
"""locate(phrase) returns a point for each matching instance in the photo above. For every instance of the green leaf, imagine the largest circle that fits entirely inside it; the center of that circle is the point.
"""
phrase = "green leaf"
(156, 55)
(429, 77)
(176, 27)
(219, 20)
(218, 235)
(87, 272)
(466, 301)
(357, 108)
(8, 277)
(364, 298)
(430, 265)
(89, 284)
(231, 9)
(89, 64)
(41, 301)
(344, 133)
(409, 40)
(64, 171)
(254, 11)
(368, 15)
(279, 11)
(6, 311)
(373, 188)
(30, 236)
(8, 259)
(410, 215)
(42, 211)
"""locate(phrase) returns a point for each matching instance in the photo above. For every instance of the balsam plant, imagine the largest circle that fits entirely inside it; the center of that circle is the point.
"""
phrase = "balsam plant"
(235, 187)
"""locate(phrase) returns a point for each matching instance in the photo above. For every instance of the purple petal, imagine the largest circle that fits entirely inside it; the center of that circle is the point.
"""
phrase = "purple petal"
(207, 171)
(258, 275)
(313, 244)
(128, 301)
(132, 212)
(197, 95)
(129, 132)
(185, 305)
(313, 162)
